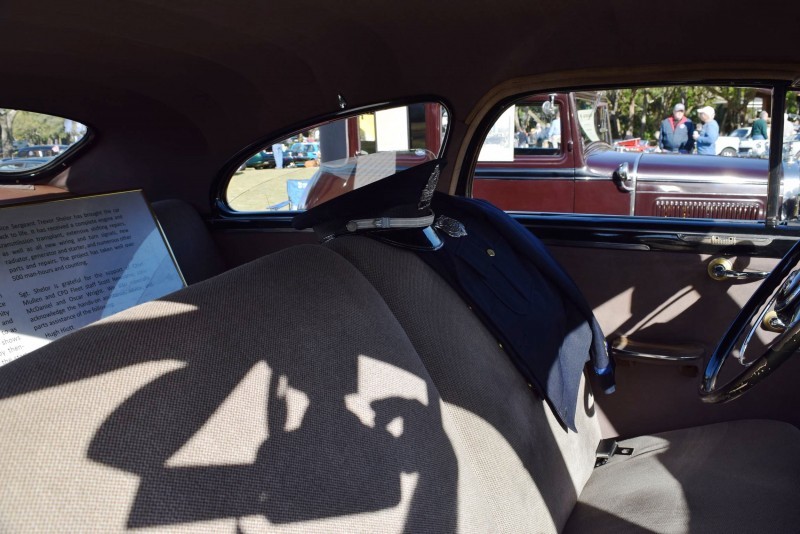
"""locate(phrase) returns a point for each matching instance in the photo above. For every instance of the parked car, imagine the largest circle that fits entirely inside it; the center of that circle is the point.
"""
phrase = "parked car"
(265, 159)
(41, 151)
(594, 177)
(23, 164)
(354, 375)
(792, 148)
(741, 133)
(728, 145)
(307, 151)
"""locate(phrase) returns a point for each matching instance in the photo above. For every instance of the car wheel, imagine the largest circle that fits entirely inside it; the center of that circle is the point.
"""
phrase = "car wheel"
(728, 152)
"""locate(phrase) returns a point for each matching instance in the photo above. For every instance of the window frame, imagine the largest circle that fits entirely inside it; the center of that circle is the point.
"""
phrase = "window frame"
(277, 219)
(779, 87)
(58, 164)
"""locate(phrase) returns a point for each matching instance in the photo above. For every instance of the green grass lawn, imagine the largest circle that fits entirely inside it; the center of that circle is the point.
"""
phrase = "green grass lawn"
(256, 190)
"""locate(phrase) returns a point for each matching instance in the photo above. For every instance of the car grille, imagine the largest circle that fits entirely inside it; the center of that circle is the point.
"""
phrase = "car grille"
(708, 209)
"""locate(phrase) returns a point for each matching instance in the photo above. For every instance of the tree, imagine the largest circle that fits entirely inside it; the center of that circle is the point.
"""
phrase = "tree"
(6, 132)
(39, 129)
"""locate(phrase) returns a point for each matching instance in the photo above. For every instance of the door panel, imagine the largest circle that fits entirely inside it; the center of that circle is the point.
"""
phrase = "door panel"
(668, 298)
(239, 246)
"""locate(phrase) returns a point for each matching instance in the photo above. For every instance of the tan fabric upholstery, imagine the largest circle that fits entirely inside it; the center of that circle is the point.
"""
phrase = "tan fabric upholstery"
(282, 395)
(346, 391)
(741, 476)
(531, 468)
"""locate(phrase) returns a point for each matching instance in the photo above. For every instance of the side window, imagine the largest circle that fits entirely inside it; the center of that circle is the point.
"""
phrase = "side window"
(31, 140)
(328, 159)
(667, 151)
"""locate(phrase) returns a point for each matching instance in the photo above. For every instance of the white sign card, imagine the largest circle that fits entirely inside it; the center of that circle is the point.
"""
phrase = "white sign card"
(499, 143)
(67, 263)
(586, 120)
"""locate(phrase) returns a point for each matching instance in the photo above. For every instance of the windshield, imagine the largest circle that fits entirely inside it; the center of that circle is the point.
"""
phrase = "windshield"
(592, 113)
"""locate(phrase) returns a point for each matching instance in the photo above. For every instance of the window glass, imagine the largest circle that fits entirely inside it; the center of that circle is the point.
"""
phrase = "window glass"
(527, 128)
(32, 140)
(329, 159)
(669, 151)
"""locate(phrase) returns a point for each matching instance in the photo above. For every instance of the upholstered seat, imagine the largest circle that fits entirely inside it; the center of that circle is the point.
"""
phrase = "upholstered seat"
(741, 476)
(377, 402)
(738, 476)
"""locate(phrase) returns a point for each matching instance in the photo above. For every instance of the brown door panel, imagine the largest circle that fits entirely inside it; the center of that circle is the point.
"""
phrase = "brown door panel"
(668, 298)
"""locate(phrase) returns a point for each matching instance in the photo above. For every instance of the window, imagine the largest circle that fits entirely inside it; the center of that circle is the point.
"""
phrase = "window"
(668, 151)
(31, 141)
(329, 159)
(528, 128)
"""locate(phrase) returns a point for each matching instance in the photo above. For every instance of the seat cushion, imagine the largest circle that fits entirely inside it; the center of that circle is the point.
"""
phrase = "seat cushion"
(740, 476)
(280, 396)
(529, 467)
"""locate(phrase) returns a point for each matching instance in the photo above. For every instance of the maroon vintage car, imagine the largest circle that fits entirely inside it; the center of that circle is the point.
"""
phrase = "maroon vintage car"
(578, 170)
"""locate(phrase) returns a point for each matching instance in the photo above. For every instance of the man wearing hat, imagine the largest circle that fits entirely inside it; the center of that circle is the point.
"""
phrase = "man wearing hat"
(707, 140)
(676, 132)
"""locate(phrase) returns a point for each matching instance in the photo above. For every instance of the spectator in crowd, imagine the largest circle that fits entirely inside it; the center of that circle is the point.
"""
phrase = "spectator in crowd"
(532, 136)
(677, 132)
(707, 140)
(554, 133)
(522, 139)
(277, 152)
(759, 131)
(788, 128)
(541, 134)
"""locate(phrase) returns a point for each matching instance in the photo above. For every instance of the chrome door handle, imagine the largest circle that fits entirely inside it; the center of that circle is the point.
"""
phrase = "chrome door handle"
(626, 348)
(721, 269)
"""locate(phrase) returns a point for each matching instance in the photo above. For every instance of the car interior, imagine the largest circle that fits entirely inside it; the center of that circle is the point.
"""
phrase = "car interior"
(314, 369)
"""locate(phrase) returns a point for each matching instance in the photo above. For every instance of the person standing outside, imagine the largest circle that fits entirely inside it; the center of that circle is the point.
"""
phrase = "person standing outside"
(277, 153)
(759, 131)
(554, 133)
(522, 139)
(707, 141)
(677, 132)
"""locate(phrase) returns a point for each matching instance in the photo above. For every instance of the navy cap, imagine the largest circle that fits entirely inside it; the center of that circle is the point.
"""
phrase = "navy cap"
(398, 204)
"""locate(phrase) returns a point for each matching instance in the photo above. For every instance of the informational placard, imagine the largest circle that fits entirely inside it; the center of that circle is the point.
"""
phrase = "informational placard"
(67, 263)
(586, 120)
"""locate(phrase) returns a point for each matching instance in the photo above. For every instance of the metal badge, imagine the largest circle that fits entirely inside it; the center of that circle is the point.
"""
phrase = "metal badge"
(430, 187)
(451, 227)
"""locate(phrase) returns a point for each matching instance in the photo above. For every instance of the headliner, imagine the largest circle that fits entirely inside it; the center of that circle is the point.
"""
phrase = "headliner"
(175, 91)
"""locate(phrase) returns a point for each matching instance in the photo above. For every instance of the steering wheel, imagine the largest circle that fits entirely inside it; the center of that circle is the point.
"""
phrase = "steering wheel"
(786, 321)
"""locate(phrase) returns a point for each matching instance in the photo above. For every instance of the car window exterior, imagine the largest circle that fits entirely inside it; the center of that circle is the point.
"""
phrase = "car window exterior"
(671, 151)
(31, 141)
(328, 159)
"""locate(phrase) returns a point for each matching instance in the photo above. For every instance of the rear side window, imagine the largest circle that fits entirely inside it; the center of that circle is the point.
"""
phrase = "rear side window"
(329, 159)
(32, 141)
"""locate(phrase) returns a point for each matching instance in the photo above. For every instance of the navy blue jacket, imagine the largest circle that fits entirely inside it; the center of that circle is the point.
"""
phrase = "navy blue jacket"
(676, 138)
(525, 298)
